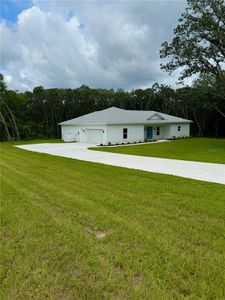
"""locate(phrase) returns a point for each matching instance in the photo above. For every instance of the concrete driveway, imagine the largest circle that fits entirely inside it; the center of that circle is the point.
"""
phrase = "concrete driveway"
(196, 170)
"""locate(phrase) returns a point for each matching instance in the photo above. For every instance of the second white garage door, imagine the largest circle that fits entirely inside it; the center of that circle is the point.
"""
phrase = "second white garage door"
(94, 136)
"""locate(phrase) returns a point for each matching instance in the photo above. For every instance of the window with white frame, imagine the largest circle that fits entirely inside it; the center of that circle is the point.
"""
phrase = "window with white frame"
(157, 130)
(124, 133)
(178, 128)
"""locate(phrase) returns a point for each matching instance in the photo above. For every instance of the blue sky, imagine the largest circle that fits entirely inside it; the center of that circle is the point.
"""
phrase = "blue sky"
(11, 8)
(102, 44)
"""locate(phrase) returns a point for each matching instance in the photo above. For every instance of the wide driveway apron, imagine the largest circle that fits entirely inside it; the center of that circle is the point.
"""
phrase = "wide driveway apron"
(196, 170)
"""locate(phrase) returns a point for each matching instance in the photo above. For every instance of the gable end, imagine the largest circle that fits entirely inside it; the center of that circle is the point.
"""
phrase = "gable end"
(156, 117)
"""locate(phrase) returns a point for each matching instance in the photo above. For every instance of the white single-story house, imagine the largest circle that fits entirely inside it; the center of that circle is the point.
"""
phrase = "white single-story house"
(116, 126)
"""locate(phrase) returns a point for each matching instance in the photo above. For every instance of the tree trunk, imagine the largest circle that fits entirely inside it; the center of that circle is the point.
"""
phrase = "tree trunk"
(220, 112)
(216, 128)
(13, 121)
(197, 123)
(199, 130)
(2, 119)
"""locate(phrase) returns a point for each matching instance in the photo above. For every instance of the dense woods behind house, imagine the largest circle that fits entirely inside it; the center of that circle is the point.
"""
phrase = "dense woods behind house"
(36, 114)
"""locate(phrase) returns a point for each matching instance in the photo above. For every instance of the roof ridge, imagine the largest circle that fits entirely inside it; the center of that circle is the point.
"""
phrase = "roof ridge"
(115, 115)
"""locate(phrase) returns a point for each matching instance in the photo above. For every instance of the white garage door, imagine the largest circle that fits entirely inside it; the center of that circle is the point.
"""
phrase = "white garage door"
(94, 136)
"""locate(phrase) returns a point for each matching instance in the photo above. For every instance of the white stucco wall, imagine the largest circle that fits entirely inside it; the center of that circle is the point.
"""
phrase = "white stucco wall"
(184, 130)
(70, 133)
(171, 130)
(135, 133)
(163, 132)
(114, 133)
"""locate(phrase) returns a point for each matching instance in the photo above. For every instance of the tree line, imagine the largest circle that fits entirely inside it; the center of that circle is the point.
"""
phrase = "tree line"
(36, 114)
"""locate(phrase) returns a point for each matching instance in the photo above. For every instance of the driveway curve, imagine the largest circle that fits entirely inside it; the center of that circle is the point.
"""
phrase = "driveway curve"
(189, 169)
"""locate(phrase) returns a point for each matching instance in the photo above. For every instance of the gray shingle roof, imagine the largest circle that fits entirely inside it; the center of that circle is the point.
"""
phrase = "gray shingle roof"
(114, 115)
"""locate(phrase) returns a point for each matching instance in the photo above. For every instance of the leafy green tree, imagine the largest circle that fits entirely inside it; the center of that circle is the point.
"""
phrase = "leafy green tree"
(165, 100)
(206, 89)
(7, 118)
(198, 45)
(3, 121)
(3, 86)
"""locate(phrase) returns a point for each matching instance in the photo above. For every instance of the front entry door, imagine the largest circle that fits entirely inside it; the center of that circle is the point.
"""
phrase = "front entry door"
(149, 133)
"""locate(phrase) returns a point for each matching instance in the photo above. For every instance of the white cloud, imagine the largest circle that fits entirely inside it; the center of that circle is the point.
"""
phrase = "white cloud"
(100, 44)
(9, 52)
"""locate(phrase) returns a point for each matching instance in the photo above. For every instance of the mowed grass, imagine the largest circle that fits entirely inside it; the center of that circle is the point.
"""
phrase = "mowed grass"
(78, 230)
(196, 149)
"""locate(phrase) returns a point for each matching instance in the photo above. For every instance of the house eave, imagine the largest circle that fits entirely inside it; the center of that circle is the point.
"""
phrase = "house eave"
(158, 122)
(81, 124)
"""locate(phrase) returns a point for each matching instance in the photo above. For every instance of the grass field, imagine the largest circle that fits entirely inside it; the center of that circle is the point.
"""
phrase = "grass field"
(196, 149)
(78, 230)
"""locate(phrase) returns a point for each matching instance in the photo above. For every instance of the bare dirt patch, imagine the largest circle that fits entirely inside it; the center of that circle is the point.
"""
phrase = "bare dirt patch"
(97, 233)
(138, 280)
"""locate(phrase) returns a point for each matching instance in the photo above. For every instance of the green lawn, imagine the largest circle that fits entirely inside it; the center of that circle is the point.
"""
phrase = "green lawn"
(196, 149)
(78, 230)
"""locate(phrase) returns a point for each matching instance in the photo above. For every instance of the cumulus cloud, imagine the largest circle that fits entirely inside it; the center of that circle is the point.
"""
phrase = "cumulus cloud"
(8, 52)
(100, 44)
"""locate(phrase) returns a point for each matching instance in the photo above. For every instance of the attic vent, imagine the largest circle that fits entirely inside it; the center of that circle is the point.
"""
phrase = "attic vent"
(156, 117)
